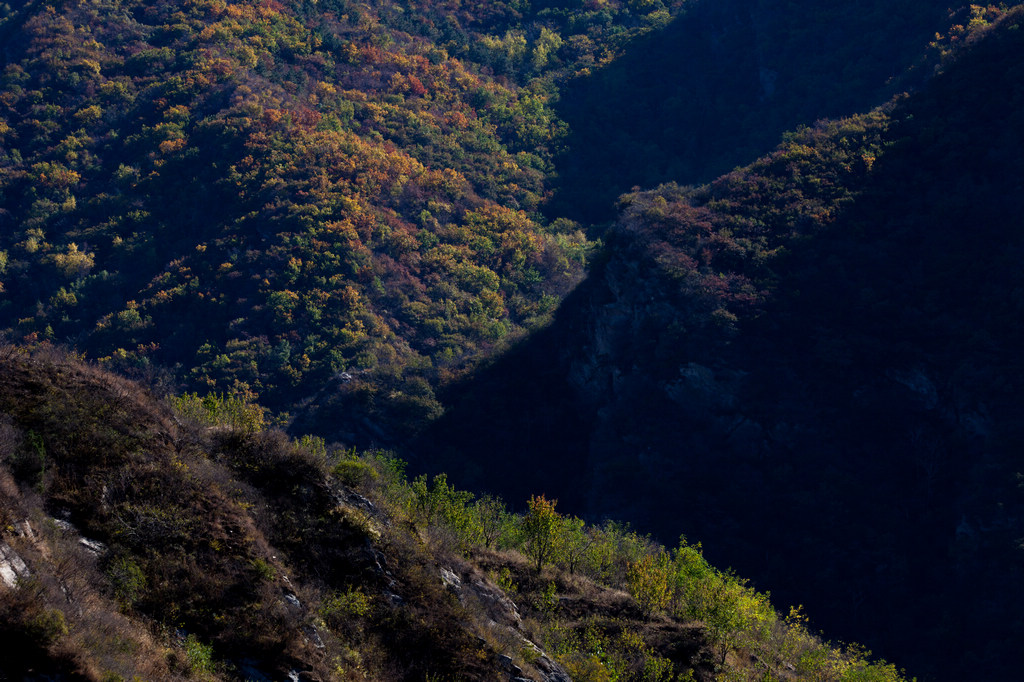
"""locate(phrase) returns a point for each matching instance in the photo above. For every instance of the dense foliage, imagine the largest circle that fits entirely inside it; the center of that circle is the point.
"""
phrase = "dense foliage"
(270, 195)
(338, 207)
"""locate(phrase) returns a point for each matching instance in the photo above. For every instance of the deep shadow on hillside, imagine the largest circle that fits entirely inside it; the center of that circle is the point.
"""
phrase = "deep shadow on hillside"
(720, 84)
(853, 444)
(521, 419)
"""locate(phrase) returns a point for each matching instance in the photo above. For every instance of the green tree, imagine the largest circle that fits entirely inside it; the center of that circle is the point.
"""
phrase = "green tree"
(492, 519)
(540, 529)
(649, 581)
(574, 543)
(442, 503)
(720, 600)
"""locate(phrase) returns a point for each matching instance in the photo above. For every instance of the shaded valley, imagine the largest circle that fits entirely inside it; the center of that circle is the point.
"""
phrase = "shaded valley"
(701, 266)
(810, 364)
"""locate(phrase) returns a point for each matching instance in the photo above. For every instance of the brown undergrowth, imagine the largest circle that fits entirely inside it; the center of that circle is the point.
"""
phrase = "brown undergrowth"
(153, 543)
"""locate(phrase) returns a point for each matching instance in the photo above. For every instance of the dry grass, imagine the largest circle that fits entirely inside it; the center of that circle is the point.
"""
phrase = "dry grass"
(226, 546)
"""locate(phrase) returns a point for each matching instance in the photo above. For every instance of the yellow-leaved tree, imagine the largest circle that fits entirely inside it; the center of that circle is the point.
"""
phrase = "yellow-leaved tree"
(540, 528)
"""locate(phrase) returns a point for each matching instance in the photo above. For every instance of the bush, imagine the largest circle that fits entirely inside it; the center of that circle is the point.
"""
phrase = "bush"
(355, 473)
(342, 611)
(217, 409)
(127, 579)
(264, 570)
(199, 656)
(48, 625)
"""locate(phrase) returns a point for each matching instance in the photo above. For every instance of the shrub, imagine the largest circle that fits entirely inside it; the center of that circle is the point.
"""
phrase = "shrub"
(199, 656)
(217, 409)
(48, 625)
(355, 473)
(648, 581)
(264, 570)
(341, 609)
(127, 579)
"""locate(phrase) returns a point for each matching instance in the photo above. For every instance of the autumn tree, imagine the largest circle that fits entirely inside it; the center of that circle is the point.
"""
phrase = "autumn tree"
(649, 581)
(540, 529)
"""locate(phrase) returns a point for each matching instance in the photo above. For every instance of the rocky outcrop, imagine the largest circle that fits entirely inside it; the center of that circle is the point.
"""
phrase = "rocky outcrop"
(12, 567)
(480, 595)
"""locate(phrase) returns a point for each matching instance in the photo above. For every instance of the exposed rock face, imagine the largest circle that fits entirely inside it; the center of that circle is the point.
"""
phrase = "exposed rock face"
(473, 587)
(795, 455)
(12, 568)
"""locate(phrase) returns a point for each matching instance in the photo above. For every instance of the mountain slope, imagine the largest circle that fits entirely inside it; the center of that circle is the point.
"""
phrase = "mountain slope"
(719, 86)
(338, 206)
(810, 363)
(141, 541)
(267, 196)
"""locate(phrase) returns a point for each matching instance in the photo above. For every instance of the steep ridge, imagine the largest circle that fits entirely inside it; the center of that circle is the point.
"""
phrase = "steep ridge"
(159, 548)
(810, 364)
(722, 82)
(142, 539)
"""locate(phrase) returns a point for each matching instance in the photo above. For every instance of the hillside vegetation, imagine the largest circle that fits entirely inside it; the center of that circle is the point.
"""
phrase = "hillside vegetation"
(402, 224)
(340, 206)
(811, 363)
(719, 86)
(268, 196)
(155, 541)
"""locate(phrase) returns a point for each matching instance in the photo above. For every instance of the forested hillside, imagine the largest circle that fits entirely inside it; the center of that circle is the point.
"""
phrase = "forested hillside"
(339, 206)
(810, 363)
(266, 196)
(717, 88)
(477, 234)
